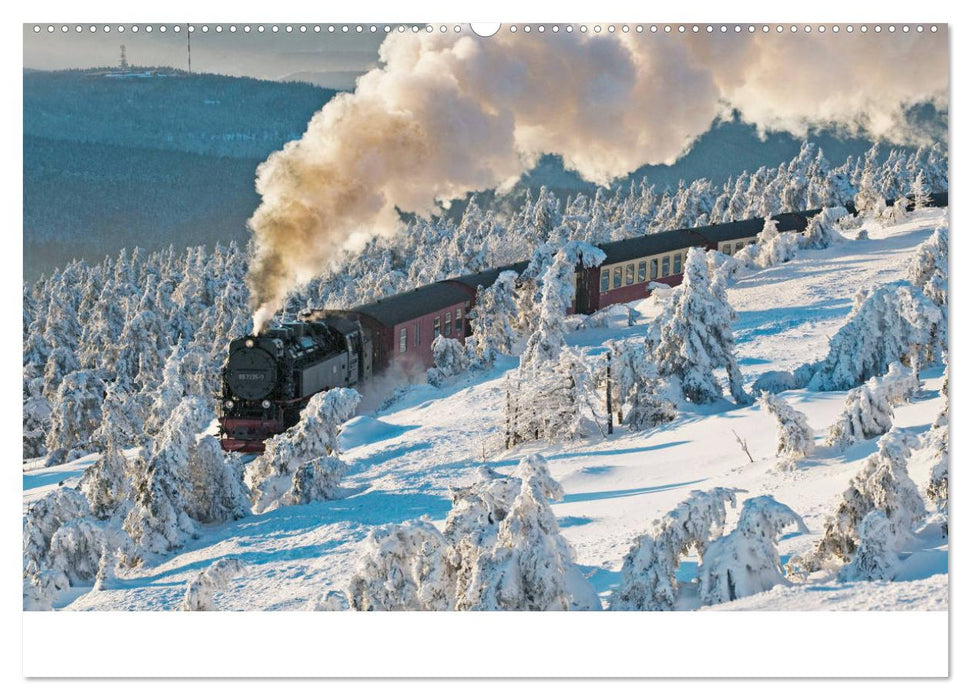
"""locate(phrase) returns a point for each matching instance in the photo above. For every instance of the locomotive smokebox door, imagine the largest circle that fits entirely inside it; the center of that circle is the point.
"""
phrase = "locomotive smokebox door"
(251, 373)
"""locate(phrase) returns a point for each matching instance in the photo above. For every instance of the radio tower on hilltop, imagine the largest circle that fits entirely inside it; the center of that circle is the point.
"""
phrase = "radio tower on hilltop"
(188, 44)
(123, 63)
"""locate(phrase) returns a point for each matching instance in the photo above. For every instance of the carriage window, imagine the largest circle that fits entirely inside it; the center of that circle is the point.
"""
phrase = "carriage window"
(654, 269)
(618, 276)
(604, 280)
(642, 271)
(739, 246)
(438, 327)
(458, 321)
(727, 249)
(403, 341)
(677, 263)
(666, 266)
(630, 273)
(417, 333)
(448, 323)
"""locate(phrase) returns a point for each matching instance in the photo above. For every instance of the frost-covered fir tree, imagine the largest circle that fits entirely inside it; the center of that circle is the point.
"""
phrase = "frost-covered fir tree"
(451, 358)
(107, 482)
(868, 410)
(640, 397)
(794, 437)
(882, 483)
(493, 320)
(647, 577)
(159, 521)
(937, 441)
(303, 463)
(745, 561)
(919, 191)
(203, 586)
(693, 336)
(775, 247)
(121, 422)
(821, 230)
(402, 567)
(76, 414)
(531, 566)
(557, 293)
(887, 324)
(875, 558)
(545, 404)
(216, 489)
(37, 417)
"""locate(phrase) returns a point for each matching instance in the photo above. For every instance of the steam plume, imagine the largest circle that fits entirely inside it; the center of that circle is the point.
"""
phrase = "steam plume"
(449, 114)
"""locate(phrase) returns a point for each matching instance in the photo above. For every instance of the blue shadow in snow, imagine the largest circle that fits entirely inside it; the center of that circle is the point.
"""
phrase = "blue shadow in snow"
(622, 493)
(596, 453)
(33, 481)
(573, 521)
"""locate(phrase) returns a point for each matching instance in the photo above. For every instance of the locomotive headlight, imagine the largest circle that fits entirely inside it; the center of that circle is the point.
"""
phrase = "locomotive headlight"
(249, 342)
(229, 404)
(265, 404)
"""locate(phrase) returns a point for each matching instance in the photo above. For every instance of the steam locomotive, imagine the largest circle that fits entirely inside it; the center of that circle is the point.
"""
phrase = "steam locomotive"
(269, 378)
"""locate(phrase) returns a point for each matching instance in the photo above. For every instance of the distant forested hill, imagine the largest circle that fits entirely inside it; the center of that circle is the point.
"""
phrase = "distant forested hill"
(118, 162)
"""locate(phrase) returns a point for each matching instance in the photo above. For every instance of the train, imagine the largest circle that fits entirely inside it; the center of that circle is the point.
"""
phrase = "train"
(269, 378)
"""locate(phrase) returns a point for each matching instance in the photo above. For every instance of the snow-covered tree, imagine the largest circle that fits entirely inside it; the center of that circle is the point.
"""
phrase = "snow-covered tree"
(874, 559)
(919, 191)
(493, 319)
(868, 410)
(693, 335)
(107, 482)
(794, 436)
(531, 566)
(37, 418)
(775, 247)
(557, 292)
(303, 463)
(882, 483)
(75, 416)
(121, 421)
(451, 358)
(402, 567)
(216, 490)
(821, 230)
(937, 441)
(640, 397)
(545, 404)
(647, 577)
(203, 585)
(745, 561)
(887, 324)
(159, 521)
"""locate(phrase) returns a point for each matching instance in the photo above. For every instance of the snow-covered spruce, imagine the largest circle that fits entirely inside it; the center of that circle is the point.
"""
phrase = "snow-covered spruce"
(451, 358)
(37, 417)
(107, 482)
(160, 520)
(693, 335)
(121, 419)
(402, 567)
(888, 324)
(745, 561)
(882, 483)
(493, 320)
(937, 440)
(215, 480)
(75, 416)
(640, 397)
(647, 577)
(774, 247)
(868, 410)
(557, 292)
(874, 559)
(821, 230)
(501, 550)
(204, 585)
(62, 547)
(794, 436)
(303, 464)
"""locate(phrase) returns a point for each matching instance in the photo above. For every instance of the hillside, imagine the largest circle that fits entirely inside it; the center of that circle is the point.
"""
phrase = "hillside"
(404, 458)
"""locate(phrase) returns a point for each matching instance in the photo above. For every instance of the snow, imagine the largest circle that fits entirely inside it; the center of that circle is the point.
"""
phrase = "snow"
(403, 458)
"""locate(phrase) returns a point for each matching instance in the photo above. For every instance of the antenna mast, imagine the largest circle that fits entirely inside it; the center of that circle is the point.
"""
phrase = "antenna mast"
(124, 59)
(188, 44)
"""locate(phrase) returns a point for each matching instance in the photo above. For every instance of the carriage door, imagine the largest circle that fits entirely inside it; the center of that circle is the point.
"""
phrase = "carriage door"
(582, 304)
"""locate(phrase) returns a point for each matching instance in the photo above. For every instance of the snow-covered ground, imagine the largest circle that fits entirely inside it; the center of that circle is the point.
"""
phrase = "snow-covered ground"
(404, 459)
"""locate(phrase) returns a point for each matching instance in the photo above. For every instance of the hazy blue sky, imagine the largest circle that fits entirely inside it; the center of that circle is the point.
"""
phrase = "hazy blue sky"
(327, 58)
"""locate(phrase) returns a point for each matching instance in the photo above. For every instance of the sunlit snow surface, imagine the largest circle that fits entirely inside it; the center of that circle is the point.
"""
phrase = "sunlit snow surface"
(403, 460)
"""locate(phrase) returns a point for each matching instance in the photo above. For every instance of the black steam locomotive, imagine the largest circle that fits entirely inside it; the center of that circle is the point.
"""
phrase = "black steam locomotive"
(269, 378)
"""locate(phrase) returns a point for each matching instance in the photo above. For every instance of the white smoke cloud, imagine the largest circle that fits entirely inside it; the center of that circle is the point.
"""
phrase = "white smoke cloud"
(448, 114)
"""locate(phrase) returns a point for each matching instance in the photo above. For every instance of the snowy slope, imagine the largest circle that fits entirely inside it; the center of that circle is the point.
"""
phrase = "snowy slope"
(403, 460)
